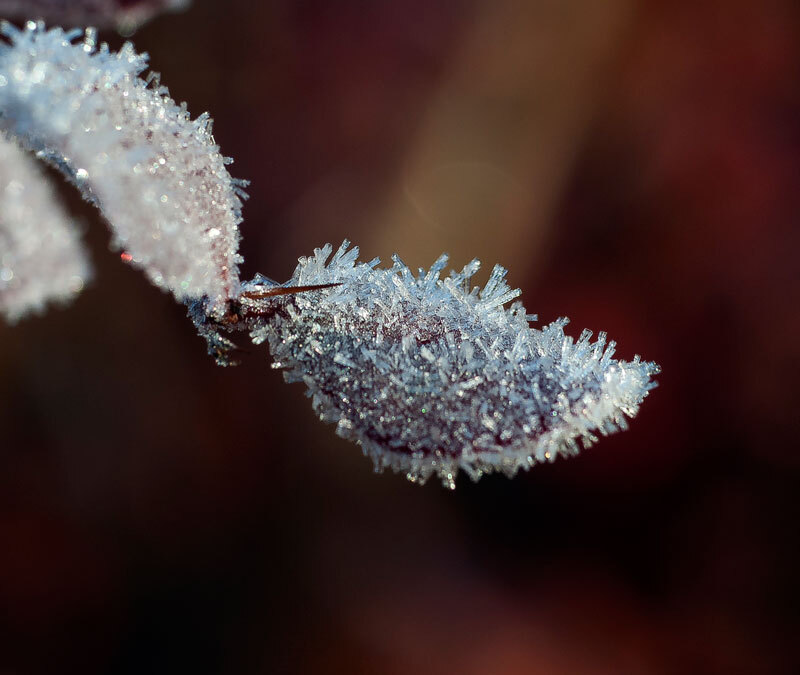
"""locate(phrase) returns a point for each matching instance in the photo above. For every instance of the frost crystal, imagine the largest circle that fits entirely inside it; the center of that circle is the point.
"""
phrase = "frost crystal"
(41, 257)
(431, 376)
(126, 14)
(156, 175)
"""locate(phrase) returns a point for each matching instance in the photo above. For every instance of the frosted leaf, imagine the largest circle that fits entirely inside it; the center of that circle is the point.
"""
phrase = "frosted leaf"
(156, 175)
(431, 376)
(41, 257)
(125, 14)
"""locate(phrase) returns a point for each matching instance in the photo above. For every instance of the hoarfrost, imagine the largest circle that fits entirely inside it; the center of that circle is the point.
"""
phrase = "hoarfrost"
(41, 257)
(156, 175)
(431, 376)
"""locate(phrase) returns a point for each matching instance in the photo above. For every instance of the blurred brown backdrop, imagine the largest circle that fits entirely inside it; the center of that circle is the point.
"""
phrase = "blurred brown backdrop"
(636, 165)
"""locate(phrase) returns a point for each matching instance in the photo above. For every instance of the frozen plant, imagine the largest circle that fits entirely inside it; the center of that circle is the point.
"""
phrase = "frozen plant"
(428, 374)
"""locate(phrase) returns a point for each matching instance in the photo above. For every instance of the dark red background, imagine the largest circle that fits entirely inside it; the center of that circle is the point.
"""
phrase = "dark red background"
(636, 164)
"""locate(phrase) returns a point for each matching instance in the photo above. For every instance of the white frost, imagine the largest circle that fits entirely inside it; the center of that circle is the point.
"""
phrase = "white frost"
(41, 256)
(156, 175)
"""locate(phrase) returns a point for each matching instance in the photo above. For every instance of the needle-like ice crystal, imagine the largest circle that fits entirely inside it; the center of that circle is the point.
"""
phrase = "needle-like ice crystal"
(156, 175)
(41, 256)
(431, 376)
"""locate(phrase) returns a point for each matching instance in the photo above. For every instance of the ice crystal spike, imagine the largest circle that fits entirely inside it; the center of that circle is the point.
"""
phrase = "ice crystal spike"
(41, 257)
(156, 175)
(124, 14)
(430, 377)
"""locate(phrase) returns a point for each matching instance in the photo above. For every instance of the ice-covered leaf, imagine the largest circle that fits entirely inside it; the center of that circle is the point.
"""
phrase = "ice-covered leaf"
(41, 256)
(431, 376)
(156, 175)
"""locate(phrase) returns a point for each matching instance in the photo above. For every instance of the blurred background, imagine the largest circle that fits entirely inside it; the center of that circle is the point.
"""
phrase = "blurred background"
(636, 166)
